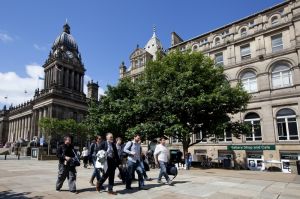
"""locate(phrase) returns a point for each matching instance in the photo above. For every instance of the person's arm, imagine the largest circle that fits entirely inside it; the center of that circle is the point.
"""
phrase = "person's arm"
(59, 154)
(126, 148)
(156, 152)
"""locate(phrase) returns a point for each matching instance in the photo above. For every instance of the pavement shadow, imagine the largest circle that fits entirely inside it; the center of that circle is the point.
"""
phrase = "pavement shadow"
(90, 189)
(14, 195)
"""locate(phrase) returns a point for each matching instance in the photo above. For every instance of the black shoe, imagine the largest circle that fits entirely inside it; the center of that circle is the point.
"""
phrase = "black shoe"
(111, 192)
(129, 188)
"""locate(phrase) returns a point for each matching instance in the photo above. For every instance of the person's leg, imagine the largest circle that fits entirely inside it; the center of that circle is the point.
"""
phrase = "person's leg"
(96, 172)
(130, 170)
(164, 171)
(111, 178)
(72, 179)
(62, 174)
(160, 172)
(139, 171)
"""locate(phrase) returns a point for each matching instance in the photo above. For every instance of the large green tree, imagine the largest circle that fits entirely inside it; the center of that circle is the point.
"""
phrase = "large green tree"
(179, 95)
(185, 93)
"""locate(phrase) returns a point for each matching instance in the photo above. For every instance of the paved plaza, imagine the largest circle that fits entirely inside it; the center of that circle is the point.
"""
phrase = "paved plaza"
(36, 179)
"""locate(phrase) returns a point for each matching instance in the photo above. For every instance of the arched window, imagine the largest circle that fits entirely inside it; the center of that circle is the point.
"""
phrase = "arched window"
(287, 125)
(274, 20)
(249, 81)
(195, 47)
(243, 32)
(254, 120)
(281, 76)
(217, 41)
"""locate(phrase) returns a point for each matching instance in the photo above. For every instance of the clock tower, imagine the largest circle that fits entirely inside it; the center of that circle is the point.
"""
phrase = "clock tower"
(64, 68)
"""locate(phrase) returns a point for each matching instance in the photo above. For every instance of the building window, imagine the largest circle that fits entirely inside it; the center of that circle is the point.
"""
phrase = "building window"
(254, 120)
(245, 52)
(281, 76)
(243, 32)
(274, 20)
(195, 47)
(219, 58)
(200, 137)
(287, 125)
(227, 137)
(217, 41)
(277, 44)
(249, 81)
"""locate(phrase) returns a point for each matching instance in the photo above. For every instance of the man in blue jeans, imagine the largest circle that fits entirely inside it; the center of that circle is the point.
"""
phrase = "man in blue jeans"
(94, 150)
(133, 149)
(162, 156)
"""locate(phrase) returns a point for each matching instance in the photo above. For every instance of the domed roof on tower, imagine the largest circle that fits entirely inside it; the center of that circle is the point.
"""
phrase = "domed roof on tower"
(65, 39)
(154, 44)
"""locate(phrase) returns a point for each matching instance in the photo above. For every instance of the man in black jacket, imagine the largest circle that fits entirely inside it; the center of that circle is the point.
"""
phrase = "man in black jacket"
(113, 161)
(66, 169)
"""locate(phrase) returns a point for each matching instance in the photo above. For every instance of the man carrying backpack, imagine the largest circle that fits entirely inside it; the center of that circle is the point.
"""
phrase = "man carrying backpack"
(133, 149)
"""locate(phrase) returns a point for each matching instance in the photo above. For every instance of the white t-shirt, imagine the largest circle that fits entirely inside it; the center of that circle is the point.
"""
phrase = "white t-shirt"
(162, 152)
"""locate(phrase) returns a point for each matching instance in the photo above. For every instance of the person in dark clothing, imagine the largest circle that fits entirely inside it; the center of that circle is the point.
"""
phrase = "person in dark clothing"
(179, 158)
(120, 147)
(93, 151)
(113, 161)
(65, 153)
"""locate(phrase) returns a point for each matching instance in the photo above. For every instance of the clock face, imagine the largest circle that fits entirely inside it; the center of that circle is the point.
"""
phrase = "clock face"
(70, 54)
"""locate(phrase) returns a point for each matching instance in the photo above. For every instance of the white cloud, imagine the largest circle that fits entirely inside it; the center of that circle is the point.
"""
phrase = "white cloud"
(19, 89)
(39, 48)
(15, 89)
(5, 38)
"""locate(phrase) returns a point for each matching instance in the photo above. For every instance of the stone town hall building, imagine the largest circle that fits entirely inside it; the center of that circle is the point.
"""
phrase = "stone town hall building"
(62, 96)
(262, 51)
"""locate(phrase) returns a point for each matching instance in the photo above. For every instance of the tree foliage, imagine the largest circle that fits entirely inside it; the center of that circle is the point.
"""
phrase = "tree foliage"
(178, 95)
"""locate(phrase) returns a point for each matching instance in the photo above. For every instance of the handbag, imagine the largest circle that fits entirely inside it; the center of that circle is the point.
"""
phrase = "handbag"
(172, 170)
(74, 162)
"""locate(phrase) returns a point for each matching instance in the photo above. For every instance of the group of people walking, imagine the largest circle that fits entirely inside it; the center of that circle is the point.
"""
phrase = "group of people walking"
(107, 156)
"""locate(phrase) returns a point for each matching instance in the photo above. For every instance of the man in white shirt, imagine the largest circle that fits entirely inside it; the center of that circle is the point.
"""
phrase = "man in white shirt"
(162, 156)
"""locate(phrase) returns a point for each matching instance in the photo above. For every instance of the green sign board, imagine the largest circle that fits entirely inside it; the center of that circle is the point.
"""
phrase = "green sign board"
(251, 147)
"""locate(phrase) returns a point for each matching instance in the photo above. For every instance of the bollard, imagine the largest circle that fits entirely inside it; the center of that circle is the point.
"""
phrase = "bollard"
(18, 156)
(5, 156)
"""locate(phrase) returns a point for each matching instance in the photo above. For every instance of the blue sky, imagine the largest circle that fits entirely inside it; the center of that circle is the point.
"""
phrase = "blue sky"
(106, 32)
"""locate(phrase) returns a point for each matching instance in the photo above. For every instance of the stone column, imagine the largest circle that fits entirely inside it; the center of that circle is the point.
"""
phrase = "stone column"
(82, 82)
(77, 81)
(72, 80)
(67, 78)
(22, 127)
(29, 128)
(40, 111)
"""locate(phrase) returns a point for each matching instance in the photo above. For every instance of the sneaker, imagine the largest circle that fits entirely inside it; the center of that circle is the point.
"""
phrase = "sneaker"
(129, 188)
(57, 190)
(159, 181)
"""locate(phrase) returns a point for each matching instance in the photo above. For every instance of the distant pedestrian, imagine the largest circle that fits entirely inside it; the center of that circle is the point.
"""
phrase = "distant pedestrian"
(162, 157)
(113, 162)
(133, 149)
(95, 147)
(66, 169)
(188, 161)
(85, 156)
(179, 158)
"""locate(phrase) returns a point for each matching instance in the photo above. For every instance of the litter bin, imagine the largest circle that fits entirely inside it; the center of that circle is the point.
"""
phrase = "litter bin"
(298, 166)
(227, 163)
